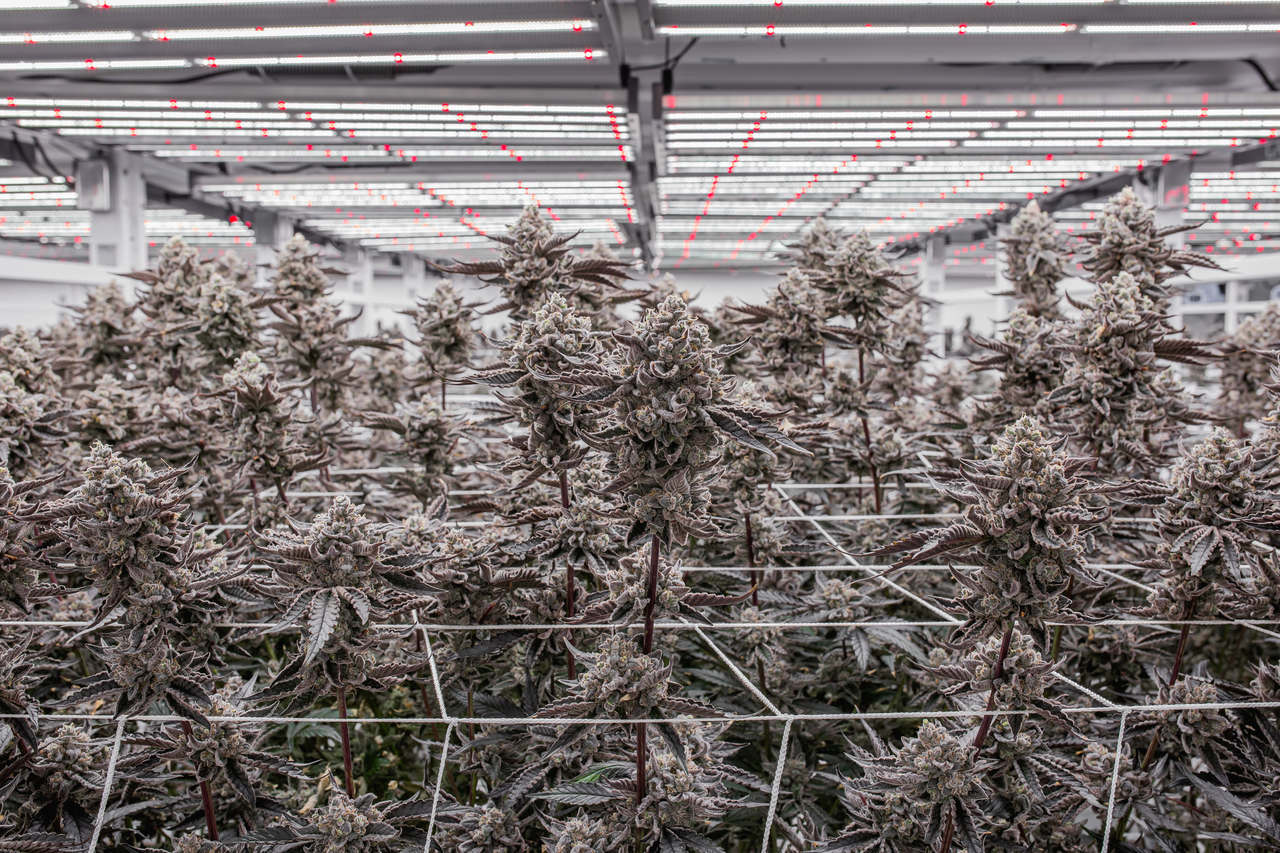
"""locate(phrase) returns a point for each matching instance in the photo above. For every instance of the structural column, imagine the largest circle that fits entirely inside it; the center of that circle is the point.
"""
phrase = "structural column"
(932, 281)
(359, 264)
(414, 274)
(1004, 304)
(1172, 190)
(270, 232)
(117, 231)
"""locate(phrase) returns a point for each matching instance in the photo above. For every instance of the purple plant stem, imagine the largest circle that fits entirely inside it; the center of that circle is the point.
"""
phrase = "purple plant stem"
(751, 561)
(206, 797)
(568, 574)
(350, 779)
(655, 554)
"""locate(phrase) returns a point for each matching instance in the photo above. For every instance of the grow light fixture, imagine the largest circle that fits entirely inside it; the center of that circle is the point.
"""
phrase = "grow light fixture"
(94, 65)
(371, 30)
(443, 58)
(1171, 28)
(841, 30)
(78, 37)
(34, 5)
(755, 4)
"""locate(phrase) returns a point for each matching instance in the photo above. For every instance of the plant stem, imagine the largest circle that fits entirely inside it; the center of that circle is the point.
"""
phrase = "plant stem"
(1178, 655)
(206, 796)
(569, 595)
(471, 736)
(997, 673)
(948, 832)
(866, 435)
(751, 561)
(642, 749)
(652, 601)
(442, 393)
(350, 779)
(655, 554)
(568, 575)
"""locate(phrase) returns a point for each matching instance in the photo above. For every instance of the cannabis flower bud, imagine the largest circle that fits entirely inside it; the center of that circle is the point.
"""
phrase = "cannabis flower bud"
(1036, 258)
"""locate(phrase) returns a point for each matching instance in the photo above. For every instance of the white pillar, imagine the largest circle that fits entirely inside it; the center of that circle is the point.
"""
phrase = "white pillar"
(359, 264)
(1004, 304)
(932, 281)
(414, 274)
(117, 235)
(1173, 189)
(270, 232)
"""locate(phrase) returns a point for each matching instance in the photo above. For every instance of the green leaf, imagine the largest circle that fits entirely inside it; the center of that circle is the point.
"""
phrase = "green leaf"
(325, 610)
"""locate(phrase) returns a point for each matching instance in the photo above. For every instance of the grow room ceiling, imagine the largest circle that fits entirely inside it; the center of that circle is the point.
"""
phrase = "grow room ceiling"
(694, 133)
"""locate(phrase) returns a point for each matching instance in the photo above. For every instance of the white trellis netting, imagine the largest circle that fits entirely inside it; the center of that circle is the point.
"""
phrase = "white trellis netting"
(771, 713)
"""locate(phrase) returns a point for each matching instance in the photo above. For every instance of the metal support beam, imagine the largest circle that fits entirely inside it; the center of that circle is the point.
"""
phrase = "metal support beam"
(117, 235)
(644, 103)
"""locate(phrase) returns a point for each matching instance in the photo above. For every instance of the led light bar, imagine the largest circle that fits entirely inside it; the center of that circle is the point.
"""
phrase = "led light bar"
(34, 5)
(444, 58)
(1173, 29)
(175, 4)
(748, 4)
(95, 65)
(371, 30)
(921, 114)
(88, 37)
(839, 30)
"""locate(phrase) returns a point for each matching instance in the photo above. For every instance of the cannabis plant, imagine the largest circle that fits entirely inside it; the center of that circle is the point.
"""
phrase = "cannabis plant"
(553, 343)
(907, 796)
(1207, 515)
(1126, 239)
(299, 278)
(1028, 354)
(816, 245)
(428, 447)
(1036, 259)
(534, 263)
(1249, 355)
(446, 334)
(791, 328)
(1124, 409)
(348, 823)
(29, 422)
(263, 438)
(1027, 515)
(28, 360)
(335, 581)
(25, 567)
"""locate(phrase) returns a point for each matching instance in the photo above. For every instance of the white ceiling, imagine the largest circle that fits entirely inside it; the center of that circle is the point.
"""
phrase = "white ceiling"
(697, 133)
